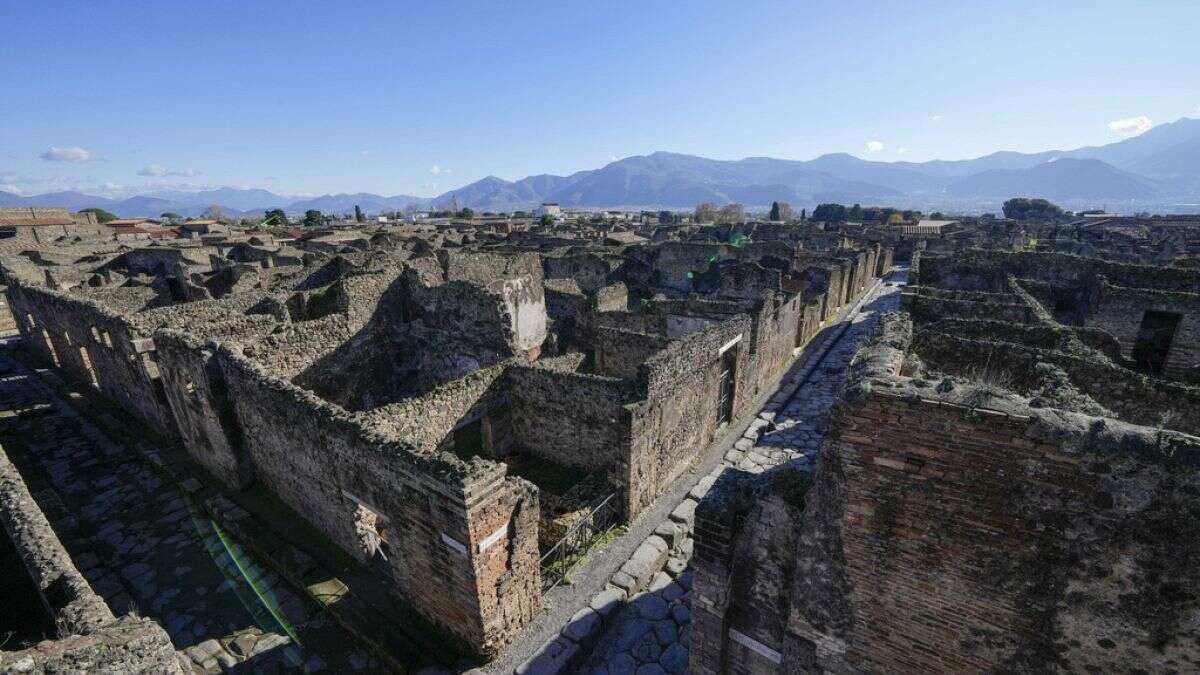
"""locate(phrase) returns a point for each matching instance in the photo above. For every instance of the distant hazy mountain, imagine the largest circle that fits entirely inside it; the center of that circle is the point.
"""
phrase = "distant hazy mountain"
(344, 203)
(1158, 167)
(1058, 180)
(228, 198)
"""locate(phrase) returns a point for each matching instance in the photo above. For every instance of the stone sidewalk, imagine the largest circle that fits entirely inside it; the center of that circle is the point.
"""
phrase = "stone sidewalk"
(641, 622)
(145, 546)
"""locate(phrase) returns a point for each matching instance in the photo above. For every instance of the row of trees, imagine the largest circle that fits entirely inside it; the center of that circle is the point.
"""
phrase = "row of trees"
(1021, 208)
(730, 213)
(837, 213)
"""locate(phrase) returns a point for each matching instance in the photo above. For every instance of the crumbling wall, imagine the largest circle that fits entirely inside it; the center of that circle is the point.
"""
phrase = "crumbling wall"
(463, 551)
(620, 353)
(572, 419)
(935, 523)
(680, 414)
(1119, 311)
(90, 637)
(96, 346)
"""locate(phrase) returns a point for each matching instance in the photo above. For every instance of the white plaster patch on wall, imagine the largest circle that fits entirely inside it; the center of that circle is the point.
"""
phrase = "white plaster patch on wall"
(454, 543)
(729, 345)
(755, 646)
(493, 538)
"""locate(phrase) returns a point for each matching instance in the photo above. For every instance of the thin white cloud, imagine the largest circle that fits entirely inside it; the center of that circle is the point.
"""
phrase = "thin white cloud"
(436, 170)
(364, 153)
(157, 170)
(429, 186)
(1130, 125)
(874, 147)
(936, 118)
(901, 151)
(69, 153)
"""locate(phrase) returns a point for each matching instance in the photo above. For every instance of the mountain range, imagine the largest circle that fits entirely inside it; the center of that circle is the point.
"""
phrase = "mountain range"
(1156, 170)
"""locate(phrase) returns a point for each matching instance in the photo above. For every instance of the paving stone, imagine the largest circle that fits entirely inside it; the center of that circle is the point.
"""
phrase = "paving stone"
(647, 650)
(625, 582)
(622, 664)
(672, 592)
(582, 625)
(269, 642)
(631, 633)
(666, 632)
(702, 487)
(607, 601)
(670, 533)
(682, 613)
(674, 659)
(651, 607)
(660, 581)
(552, 658)
(685, 513)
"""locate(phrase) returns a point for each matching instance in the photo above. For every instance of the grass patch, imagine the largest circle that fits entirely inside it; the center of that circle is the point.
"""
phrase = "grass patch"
(560, 566)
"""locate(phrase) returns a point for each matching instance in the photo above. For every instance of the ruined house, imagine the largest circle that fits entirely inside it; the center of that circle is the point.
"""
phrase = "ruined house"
(1009, 482)
(441, 415)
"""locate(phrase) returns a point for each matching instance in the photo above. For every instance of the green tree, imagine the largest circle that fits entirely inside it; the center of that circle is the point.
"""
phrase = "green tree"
(705, 213)
(547, 220)
(1022, 208)
(731, 213)
(313, 218)
(829, 213)
(275, 217)
(102, 216)
(358, 214)
(665, 217)
(781, 211)
(465, 213)
(170, 217)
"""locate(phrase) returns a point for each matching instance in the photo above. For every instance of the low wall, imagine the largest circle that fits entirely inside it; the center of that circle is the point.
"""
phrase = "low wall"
(90, 636)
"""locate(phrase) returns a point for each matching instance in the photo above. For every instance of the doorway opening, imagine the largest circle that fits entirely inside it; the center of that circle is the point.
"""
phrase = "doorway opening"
(727, 385)
(1154, 339)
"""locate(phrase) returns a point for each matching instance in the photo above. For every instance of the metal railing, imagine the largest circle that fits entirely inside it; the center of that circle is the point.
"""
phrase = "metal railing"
(600, 520)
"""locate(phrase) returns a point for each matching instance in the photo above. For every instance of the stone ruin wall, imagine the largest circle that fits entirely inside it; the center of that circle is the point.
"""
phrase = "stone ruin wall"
(971, 538)
(94, 344)
(619, 353)
(573, 419)
(942, 536)
(467, 526)
(90, 638)
(1119, 312)
(678, 417)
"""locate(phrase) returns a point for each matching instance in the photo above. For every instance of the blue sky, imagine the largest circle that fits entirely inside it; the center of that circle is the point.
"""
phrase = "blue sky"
(421, 97)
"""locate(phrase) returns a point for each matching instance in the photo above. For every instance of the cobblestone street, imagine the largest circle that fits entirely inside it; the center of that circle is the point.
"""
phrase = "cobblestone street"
(145, 547)
(651, 631)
